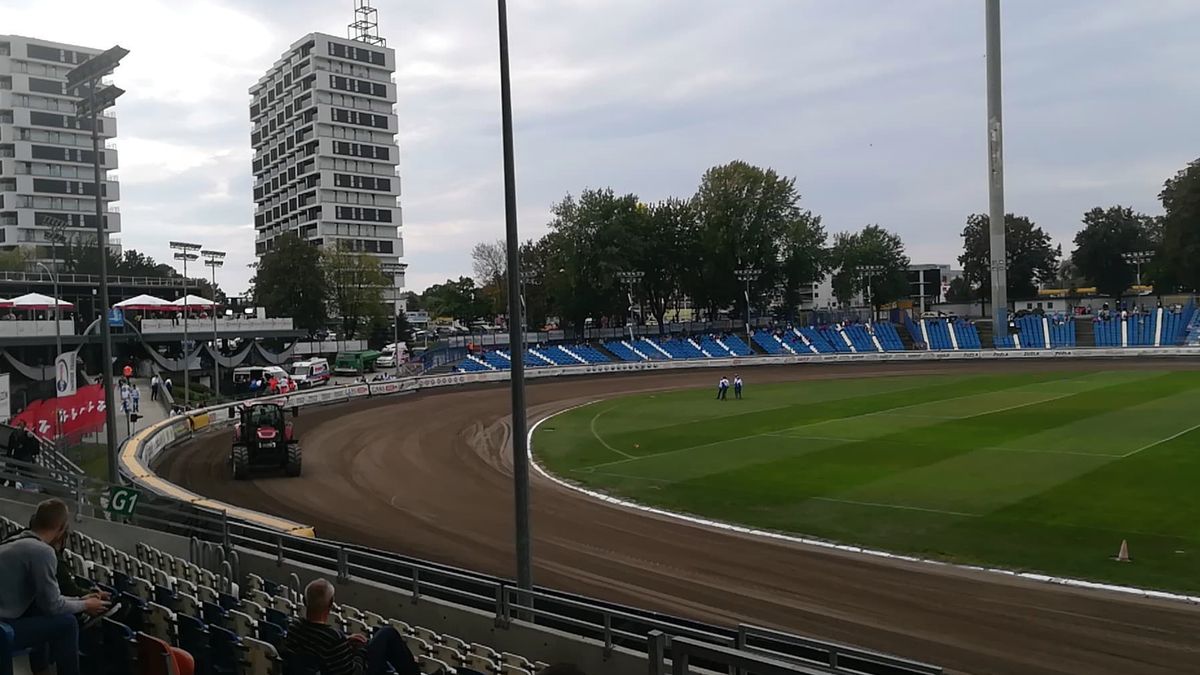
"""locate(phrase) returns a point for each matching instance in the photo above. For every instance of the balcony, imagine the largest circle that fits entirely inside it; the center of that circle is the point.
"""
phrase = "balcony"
(42, 328)
(201, 327)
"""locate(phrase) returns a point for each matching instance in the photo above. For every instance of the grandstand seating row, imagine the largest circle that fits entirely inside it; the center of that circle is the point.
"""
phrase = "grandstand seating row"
(939, 334)
(228, 628)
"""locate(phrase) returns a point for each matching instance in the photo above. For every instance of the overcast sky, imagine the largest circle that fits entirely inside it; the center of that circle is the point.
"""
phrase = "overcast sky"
(876, 107)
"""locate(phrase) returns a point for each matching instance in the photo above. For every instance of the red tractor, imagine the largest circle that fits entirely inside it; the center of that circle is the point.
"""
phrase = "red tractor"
(263, 439)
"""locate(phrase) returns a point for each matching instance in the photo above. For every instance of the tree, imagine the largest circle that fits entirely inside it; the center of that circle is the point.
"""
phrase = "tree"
(743, 213)
(458, 300)
(14, 260)
(804, 258)
(1031, 258)
(1180, 227)
(489, 260)
(873, 246)
(1107, 234)
(659, 246)
(960, 291)
(356, 286)
(289, 282)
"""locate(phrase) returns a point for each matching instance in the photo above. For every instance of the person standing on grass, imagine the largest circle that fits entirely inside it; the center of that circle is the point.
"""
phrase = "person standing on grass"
(737, 386)
(722, 387)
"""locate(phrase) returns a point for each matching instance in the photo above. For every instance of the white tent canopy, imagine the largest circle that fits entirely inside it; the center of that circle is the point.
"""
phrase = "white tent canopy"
(144, 302)
(192, 301)
(38, 301)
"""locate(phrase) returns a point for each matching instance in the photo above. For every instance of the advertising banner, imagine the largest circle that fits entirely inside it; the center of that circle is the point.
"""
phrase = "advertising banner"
(64, 374)
(81, 413)
(5, 399)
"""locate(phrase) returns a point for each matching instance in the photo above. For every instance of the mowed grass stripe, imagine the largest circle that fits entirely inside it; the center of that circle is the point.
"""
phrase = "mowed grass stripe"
(1050, 486)
(703, 432)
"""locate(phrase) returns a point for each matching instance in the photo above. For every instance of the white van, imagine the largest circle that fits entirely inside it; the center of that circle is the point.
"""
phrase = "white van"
(242, 377)
(311, 373)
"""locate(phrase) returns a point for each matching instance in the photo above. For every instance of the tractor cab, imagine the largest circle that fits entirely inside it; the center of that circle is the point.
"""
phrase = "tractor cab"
(263, 439)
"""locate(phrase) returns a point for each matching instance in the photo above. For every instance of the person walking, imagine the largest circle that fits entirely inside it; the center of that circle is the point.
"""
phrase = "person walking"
(737, 386)
(155, 384)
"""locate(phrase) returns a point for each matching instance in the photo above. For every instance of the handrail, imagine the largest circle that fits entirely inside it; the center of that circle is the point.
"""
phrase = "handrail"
(683, 650)
(831, 654)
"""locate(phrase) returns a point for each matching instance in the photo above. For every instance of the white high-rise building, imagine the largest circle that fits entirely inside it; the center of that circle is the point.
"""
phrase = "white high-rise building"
(46, 172)
(325, 150)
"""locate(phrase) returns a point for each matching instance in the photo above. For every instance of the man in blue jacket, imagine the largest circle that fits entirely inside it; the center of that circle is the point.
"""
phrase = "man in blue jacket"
(41, 618)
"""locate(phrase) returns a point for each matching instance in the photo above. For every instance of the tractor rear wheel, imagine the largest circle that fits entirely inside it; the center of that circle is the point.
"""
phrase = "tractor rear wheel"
(241, 462)
(293, 460)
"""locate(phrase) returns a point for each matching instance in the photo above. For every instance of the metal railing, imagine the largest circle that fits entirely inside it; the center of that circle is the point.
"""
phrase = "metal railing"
(683, 652)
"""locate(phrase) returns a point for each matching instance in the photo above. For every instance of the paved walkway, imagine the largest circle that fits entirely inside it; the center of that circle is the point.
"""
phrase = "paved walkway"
(150, 411)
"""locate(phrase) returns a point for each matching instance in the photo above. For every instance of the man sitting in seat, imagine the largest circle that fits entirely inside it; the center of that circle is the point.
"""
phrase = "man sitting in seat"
(321, 647)
(41, 618)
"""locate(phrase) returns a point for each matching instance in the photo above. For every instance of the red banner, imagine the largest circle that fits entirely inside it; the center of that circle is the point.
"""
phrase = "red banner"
(81, 413)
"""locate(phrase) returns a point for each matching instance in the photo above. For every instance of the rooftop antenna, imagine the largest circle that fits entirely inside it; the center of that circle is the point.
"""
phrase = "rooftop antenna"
(366, 24)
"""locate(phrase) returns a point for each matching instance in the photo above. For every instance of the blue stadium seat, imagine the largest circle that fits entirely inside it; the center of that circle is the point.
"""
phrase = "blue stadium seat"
(736, 345)
(767, 342)
(620, 350)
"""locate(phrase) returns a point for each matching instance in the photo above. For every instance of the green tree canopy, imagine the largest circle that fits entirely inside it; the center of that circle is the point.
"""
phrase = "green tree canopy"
(356, 286)
(874, 246)
(1031, 257)
(289, 282)
(1107, 234)
(1180, 227)
(459, 300)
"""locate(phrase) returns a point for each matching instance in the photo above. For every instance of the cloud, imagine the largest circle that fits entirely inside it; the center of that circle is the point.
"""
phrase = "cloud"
(876, 107)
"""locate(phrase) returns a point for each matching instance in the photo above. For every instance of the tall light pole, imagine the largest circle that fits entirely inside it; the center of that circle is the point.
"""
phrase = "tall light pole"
(527, 277)
(869, 271)
(520, 430)
(394, 270)
(213, 260)
(185, 252)
(57, 348)
(1138, 258)
(630, 278)
(996, 225)
(747, 275)
(85, 77)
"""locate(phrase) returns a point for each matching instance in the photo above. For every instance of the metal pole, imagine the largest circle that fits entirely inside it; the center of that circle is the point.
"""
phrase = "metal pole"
(396, 327)
(187, 389)
(996, 171)
(110, 413)
(520, 439)
(216, 353)
(57, 343)
(747, 308)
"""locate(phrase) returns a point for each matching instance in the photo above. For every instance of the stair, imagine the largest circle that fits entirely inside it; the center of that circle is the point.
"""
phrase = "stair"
(786, 346)
(905, 339)
(572, 354)
(660, 349)
(729, 351)
(481, 362)
(986, 334)
(1085, 333)
(635, 350)
(692, 341)
(533, 352)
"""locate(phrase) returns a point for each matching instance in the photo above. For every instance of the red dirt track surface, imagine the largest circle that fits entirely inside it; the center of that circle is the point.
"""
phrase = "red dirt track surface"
(429, 475)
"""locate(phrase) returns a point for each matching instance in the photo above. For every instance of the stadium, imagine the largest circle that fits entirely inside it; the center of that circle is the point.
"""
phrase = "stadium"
(695, 434)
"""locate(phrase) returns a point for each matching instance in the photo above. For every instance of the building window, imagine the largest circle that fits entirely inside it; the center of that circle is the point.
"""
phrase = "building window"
(45, 86)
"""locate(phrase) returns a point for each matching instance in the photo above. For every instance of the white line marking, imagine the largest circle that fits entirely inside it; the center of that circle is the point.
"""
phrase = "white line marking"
(592, 425)
(1036, 451)
(1160, 441)
(621, 475)
(897, 506)
(818, 543)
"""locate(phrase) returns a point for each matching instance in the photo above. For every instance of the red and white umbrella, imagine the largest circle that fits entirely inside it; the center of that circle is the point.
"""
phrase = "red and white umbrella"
(192, 302)
(38, 301)
(145, 303)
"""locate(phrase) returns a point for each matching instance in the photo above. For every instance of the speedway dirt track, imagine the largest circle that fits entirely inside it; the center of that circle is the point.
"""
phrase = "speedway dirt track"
(429, 475)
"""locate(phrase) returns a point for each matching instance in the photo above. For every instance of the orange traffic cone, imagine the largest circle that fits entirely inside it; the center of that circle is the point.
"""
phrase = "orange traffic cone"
(1123, 553)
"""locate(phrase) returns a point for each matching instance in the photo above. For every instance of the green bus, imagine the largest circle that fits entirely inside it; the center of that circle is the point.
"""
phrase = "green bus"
(355, 363)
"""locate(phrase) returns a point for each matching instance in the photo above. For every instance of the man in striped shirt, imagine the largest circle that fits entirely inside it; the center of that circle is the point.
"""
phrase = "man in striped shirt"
(323, 648)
